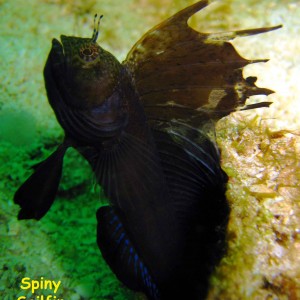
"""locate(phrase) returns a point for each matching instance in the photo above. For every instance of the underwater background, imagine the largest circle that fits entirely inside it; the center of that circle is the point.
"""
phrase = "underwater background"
(260, 150)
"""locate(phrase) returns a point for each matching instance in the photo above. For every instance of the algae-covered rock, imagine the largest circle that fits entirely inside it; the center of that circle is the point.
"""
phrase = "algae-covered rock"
(262, 260)
(260, 150)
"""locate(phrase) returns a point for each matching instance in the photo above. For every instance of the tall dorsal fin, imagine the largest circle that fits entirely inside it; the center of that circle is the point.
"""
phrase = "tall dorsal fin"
(192, 76)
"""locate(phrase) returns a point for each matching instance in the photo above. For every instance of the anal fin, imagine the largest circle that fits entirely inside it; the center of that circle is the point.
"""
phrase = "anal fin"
(121, 255)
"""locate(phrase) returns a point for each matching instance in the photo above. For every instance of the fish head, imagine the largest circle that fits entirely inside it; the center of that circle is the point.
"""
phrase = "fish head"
(88, 74)
(84, 85)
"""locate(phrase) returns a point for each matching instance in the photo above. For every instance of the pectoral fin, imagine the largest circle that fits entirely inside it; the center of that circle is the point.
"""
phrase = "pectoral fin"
(37, 193)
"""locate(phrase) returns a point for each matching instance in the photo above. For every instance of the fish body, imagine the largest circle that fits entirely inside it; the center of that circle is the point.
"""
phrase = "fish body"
(142, 126)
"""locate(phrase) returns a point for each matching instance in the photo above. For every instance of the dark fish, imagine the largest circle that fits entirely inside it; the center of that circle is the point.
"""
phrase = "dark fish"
(143, 125)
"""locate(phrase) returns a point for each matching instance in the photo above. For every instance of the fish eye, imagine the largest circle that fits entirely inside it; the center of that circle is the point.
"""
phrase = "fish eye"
(89, 52)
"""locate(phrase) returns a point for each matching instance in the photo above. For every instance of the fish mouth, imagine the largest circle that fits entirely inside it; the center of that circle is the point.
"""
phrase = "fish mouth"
(63, 45)
(68, 47)
(66, 43)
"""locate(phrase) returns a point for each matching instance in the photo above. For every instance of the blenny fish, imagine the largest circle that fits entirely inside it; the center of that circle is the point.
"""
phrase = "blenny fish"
(143, 125)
